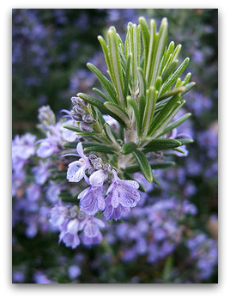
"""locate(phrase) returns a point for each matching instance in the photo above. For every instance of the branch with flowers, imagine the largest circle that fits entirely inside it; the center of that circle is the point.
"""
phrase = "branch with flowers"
(119, 136)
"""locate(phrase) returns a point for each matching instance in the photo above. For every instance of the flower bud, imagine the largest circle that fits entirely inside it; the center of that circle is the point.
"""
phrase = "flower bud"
(87, 118)
(86, 128)
(75, 115)
(78, 101)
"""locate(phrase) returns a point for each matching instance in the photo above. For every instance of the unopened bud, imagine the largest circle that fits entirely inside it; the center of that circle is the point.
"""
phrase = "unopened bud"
(77, 101)
(107, 167)
(75, 115)
(79, 109)
(86, 128)
(87, 118)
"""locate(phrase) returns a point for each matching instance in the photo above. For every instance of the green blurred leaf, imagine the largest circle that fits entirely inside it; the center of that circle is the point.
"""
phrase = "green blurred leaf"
(146, 39)
(99, 104)
(105, 83)
(163, 116)
(119, 112)
(115, 62)
(161, 144)
(172, 79)
(100, 148)
(151, 98)
(128, 148)
(133, 104)
(144, 165)
(136, 168)
(176, 123)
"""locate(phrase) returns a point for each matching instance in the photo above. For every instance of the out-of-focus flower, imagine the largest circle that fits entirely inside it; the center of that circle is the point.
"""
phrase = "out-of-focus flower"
(76, 169)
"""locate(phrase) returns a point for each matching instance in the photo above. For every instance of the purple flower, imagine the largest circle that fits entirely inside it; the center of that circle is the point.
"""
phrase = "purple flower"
(76, 169)
(91, 234)
(121, 195)
(92, 200)
(22, 149)
(41, 172)
(98, 178)
(48, 146)
(111, 211)
(69, 233)
(58, 215)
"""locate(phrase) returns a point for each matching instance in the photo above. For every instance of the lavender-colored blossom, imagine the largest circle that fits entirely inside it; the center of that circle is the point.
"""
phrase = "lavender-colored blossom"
(48, 146)
(53, 192)
(121, 194)
(204, 254)
(76, 169)
(74, 271)
(41, 172)
(91, 233)
(92, 200)
(67, 134)
(70, 240)
(22, 149)
(98, 178)
(33, 192)
(58, 215)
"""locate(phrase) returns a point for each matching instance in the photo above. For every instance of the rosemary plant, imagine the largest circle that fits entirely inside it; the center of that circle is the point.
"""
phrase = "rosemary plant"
(130, 128)
(143, 94)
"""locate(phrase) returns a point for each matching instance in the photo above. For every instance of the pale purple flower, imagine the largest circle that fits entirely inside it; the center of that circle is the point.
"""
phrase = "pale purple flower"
(67, 134)
(41, 172)
(91, 234)
(69, 232)
(98, 178)
(121, 194)
(53, 192)
(70, 240)
(74, 271)
(58, 215)
(111, 211)
(33, 192)
(48, 146)
(76, 169)
(22, 149)
(92, 200)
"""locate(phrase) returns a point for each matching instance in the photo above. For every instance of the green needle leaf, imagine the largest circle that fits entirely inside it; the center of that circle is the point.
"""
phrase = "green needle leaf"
(136, 168)
(128, 148)
(161, 144)
(119, 111)
(144, 165)
(99, 104)
(133, 104)
(151, 97)
(105, 83)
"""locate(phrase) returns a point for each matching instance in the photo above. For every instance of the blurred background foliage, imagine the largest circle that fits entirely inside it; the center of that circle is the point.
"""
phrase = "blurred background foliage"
(50, 48)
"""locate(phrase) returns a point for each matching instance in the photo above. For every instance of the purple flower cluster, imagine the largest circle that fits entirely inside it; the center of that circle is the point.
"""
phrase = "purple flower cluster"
(153, 230)
(203, 253)
(121, 195)
(70, 221)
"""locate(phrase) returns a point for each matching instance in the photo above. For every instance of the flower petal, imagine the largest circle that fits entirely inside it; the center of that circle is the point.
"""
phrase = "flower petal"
(88, 203)
(80, 151)
(91, 229)
(73, 226)
(117, 213)
(75, 173)
(115, 198)
(130, 184)
(108, 209)
(128, 197)
(71, 240)
(97, 178)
